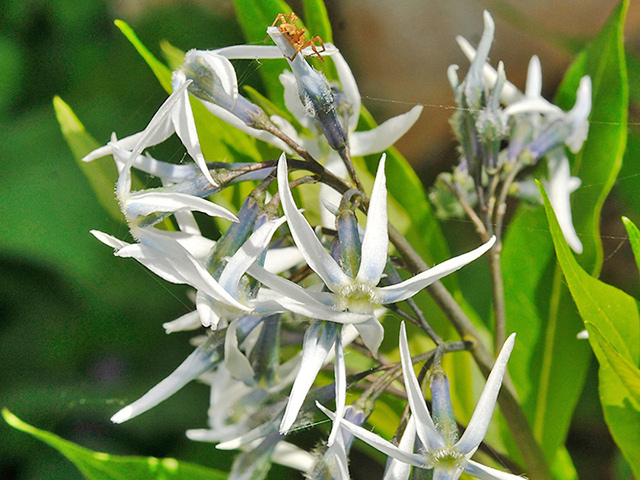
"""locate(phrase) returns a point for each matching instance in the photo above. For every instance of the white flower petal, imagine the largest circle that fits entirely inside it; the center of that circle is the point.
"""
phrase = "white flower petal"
(510, 93)
(322, 312)
(318, 339)
(195, 365)
(340, 375)
(293, 103)
(404, 290)
(425, 427)
(205, 306)
(141, 204)
(534, 78)
(220, 68)
(108, 240)
(182, 261)
(188, 321)
(372, 334)
(258, 432)
(396, 469)
(187, 223)
(292, 456)
(287, 288)
(234, 121)
(158, 130)
(257, 52)
(559, 189)
(483, 472)
(377, 442)
(384, 135)
(479, 423)
(168, 172)
(306, 240)
(532, 105)
(375, 244)
(237, 364)
(280, 260)
(154, 261)
(349, 89)
(247, 255)
(185, 126)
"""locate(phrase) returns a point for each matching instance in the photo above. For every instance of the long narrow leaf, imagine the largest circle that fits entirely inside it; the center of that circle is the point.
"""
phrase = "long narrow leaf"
(102, 466)
(549, 367)
(616, 317)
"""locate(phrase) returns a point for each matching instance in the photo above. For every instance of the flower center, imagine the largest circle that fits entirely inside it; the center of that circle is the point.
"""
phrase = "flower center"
(357, 297)
(445, 458)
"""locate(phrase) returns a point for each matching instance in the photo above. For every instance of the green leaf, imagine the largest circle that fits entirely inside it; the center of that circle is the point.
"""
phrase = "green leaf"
(160, 70)
(627, 190)
(628, 373)
(254, 17)
(102, 466)
(634, 77)
(317, 19)
(634, 238)
(101, 173)
(616, 317)
(549, 370)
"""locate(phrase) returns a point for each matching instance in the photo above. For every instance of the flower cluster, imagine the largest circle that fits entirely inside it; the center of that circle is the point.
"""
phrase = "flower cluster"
(275, 305)
(502, 131)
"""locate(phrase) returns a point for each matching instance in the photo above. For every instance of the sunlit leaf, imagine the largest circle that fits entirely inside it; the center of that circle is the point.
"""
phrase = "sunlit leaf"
(101, 173)
(102, 466)
(317, 19)
(616, 317)
(549, 366)
(634, 238)
(628, 373)
(160, 70)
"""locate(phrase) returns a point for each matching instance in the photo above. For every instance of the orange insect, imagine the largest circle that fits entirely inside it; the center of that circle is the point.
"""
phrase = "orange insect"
(295, 35)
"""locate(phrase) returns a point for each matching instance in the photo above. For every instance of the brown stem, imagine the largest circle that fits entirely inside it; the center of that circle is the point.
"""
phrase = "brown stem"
(499, 308)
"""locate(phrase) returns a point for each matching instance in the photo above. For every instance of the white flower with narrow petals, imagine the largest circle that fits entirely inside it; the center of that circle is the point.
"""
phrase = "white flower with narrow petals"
(359, 295)
(447, 454)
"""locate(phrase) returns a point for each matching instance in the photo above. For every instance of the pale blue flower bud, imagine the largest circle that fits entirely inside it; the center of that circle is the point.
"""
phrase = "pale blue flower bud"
(214, 80)
(347, 226)
(314, 91)
(441, 410)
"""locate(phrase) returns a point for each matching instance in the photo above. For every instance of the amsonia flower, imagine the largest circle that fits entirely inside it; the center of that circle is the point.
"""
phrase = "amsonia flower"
(539, 128)
(445, 452)
(211, 72)
(359, 294)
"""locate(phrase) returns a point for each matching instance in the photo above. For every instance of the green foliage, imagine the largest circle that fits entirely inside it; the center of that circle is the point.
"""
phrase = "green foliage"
(101, 173)
(547, 368)
(102, 466)
(634, 238)
(317, 19)
(254, 16)
(162, 73)
(613, 320)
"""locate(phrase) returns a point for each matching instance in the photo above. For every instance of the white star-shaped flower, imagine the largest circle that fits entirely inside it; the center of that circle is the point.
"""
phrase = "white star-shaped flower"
(445, 453)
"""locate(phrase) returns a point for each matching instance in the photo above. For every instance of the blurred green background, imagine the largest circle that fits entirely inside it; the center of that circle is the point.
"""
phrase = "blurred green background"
(80, 330)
